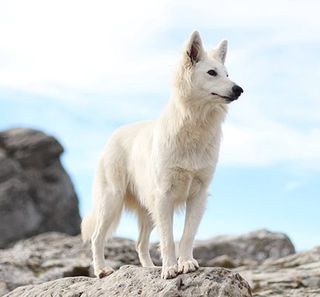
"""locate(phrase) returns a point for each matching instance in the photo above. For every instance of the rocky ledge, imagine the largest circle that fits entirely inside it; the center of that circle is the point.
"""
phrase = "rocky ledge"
(60, 265)
(292, 276)
(49, 256)
(137, 281)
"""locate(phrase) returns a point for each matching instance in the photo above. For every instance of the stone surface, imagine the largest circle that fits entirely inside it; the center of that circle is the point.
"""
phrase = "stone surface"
(36, 193)
(295, 275)
(137, 281)
(54, 255)
(248, 249)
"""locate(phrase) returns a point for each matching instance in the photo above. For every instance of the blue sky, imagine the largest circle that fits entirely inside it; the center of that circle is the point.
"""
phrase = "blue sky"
(80, 69)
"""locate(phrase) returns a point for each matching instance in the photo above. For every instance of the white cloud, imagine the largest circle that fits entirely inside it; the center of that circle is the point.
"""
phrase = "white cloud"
(270, 143)
(51, 47)
(294, 15)
(78, 49)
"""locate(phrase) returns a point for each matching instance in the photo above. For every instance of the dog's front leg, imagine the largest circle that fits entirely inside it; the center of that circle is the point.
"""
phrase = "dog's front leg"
(164, 210)
(194, 210)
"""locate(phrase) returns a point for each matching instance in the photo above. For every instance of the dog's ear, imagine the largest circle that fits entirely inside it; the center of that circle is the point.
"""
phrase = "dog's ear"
(194, 50)
(220, 51)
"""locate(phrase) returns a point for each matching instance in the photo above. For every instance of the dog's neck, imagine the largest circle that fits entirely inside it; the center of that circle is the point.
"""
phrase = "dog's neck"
(187, 112)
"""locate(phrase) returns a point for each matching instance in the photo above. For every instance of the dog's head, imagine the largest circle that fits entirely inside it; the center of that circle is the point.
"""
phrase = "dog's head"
(204, 76)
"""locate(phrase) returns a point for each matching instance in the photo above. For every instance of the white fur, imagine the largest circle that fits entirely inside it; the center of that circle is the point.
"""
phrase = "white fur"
(155, 167)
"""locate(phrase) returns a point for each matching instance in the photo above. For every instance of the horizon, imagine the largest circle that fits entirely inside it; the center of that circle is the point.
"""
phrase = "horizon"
(80, 80)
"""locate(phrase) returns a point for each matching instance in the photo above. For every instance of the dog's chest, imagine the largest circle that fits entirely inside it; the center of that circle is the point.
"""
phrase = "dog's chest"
(194, 148)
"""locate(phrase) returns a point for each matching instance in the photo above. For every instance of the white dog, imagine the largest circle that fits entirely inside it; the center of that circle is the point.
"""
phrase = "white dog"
(152, 168)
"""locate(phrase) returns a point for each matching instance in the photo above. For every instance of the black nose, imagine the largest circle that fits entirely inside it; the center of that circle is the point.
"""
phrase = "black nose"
(237, 91)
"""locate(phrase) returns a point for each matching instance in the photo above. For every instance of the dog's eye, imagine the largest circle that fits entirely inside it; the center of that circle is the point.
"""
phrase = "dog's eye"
(227, 75)
(212, 72)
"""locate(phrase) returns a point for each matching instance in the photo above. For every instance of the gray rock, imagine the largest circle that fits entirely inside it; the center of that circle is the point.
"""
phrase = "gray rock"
(50, 256)
(54, 255)
(232, 251)
(294, 275)
(36, 194)
(137, 281)
(248, 249)
(221, 261)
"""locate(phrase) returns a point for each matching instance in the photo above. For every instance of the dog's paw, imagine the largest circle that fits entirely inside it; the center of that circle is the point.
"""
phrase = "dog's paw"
(104, 272)
(185, 266)
(169, 272)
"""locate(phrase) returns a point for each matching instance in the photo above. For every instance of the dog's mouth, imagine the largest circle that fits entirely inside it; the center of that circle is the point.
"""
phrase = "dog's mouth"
(228, 99)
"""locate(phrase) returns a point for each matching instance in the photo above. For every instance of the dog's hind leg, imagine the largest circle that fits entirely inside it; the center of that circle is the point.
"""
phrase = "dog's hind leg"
(145, 228)
(107, 219)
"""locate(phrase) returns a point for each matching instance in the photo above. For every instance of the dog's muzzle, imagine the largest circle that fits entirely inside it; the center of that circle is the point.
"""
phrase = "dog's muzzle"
(235, 94)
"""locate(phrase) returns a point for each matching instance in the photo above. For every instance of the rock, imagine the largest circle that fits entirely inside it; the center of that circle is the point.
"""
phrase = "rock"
(137, 281)
(50, 256)
(36, 194)
(249, 249)
(221, 261)
(294, 275)
(232, 251)
(54, 255)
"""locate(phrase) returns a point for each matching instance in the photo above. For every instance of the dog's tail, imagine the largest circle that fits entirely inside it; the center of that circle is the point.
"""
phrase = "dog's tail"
(112, 213)
(87, 226)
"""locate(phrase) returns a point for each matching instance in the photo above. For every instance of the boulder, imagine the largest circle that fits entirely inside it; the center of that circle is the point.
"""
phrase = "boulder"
(294, 275)
(248, 249)
(53, 255)
(50, 256)
(137, 281)
(36, 193)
